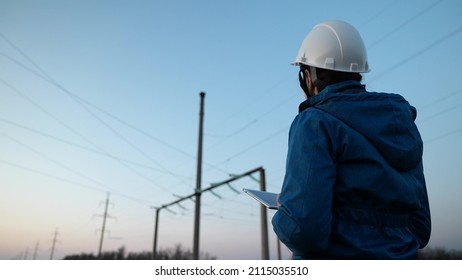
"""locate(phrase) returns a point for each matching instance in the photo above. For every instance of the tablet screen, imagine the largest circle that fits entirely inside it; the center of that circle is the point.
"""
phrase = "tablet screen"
(266, 198)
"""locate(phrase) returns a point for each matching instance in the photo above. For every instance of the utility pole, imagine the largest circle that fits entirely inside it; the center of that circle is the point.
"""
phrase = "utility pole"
(54, 243)
(198, 180)
(105, 216)
(263, 220)
(156, 224)
(278, 244)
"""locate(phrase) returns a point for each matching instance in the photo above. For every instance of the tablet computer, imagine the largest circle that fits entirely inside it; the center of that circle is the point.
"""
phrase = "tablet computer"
(266, 198)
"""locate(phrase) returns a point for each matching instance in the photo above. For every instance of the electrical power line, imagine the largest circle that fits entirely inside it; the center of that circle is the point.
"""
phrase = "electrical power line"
(84, 103)
(242, 127)
(68, 181)
(24, 96)
(23, 54)
(438, 100)
(376, 15)
(445, 111)
(278, 132)
(102, 186)
(85, 148)
(252, 102)
(60, 164)
(431, 140)
(80, 101)
(401, 26)
(416, 54)
(49, 175)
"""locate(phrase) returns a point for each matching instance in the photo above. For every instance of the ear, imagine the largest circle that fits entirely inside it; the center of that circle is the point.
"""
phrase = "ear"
(309, 80)
(311, 77)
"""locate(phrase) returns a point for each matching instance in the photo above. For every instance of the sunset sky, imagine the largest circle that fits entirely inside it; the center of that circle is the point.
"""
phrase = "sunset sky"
(102, 96)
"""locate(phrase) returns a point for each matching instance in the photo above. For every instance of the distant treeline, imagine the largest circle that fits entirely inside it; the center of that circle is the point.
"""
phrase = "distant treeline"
(438, 253)
(179, 253)
(176, 253)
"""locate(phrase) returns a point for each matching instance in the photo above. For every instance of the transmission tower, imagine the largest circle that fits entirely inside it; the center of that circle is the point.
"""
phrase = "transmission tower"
(55, 239)
(103, 230)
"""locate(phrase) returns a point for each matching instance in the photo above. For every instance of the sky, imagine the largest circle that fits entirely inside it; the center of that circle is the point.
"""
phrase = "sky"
(101, 98)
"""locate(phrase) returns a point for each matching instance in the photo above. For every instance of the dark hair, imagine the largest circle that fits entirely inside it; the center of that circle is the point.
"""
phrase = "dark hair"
(329, 77)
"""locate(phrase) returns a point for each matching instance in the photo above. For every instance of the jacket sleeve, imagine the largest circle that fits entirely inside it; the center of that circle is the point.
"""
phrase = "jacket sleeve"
(303, 221)
(420, 220)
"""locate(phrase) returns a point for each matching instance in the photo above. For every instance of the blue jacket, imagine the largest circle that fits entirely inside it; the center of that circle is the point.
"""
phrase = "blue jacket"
(354, 186)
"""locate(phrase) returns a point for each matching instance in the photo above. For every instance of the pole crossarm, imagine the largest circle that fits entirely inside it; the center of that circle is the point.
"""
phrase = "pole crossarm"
(198, 192)
(212, 186)
(233, 178)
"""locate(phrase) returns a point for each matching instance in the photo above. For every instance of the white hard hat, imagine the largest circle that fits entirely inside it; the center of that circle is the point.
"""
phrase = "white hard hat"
(334, 45)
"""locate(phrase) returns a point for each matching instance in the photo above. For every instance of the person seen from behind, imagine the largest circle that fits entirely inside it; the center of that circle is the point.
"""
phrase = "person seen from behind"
(354, 186)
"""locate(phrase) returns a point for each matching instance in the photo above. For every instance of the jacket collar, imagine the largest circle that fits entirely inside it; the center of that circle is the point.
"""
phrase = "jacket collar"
(342, 87)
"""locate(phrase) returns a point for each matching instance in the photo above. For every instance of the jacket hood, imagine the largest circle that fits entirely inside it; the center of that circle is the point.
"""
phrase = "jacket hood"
(386, 120)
